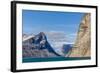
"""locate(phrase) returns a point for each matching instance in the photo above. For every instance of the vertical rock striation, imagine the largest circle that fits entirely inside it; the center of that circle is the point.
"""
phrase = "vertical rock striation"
(82, 46)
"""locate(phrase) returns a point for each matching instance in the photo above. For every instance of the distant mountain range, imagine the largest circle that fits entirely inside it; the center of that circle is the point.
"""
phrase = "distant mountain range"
(38, 46)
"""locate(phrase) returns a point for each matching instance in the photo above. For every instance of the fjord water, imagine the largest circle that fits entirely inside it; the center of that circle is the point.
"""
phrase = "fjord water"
(28, 60)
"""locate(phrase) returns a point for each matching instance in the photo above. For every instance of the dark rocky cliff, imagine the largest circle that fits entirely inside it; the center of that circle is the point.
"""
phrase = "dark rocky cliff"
(38, 46)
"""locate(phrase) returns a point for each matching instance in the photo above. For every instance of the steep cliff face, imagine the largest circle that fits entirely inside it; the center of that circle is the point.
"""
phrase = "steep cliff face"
(82, 46)
(37, 46)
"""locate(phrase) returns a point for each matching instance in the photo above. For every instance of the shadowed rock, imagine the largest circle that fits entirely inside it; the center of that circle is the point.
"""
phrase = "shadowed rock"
(38, 46)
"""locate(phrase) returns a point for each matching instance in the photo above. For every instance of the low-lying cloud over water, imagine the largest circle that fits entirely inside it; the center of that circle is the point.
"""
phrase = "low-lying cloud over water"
(58, 38)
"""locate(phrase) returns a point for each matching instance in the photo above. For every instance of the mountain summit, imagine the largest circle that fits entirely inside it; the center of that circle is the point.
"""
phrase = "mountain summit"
(38, 46)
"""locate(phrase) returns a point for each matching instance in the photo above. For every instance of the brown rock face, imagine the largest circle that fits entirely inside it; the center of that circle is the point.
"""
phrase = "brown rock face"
(82, 46)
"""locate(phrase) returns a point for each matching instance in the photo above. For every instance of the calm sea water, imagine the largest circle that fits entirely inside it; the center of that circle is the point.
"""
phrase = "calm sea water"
(27, 60)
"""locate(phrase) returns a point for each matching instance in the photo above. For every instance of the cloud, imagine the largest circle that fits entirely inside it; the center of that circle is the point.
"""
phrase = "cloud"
(58, 38)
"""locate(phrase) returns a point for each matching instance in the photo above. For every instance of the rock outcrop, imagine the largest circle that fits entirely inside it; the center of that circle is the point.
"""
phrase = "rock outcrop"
(82, 46)
(66, 48)
(37, 46)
